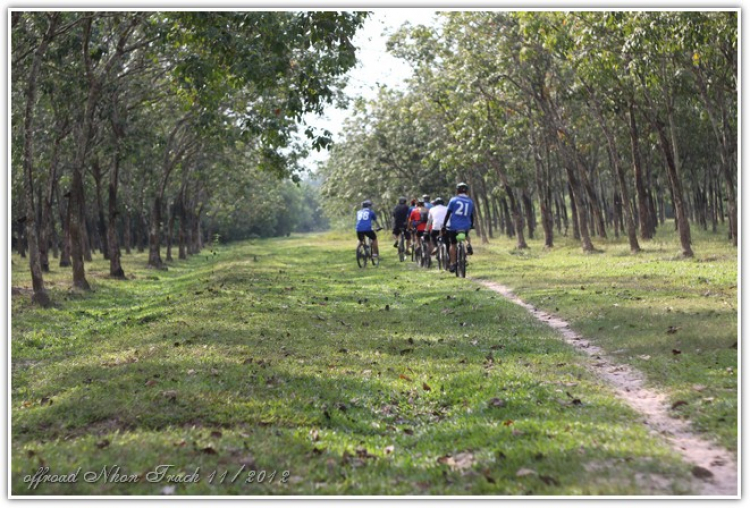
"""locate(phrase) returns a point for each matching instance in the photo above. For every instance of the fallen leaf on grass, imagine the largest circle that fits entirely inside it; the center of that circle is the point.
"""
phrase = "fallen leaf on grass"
(495, 402)
(216, 433)
(102, 444)
(170, 394)
(404, 377)
(508, 423)
(525, 472)
(699, 388)
(151, 382)
(549, 480)
(679, 403)
(463, 460)
(676, 352)
(426, 387)
(672, 329)
(209, 450)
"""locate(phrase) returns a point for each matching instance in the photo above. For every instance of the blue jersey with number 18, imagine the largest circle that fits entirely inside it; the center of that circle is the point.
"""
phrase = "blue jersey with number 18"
(364, 219)
(461, 208)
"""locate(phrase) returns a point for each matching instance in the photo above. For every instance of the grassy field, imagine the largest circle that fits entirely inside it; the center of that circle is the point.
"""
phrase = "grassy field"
(278, 367)
(674, 319)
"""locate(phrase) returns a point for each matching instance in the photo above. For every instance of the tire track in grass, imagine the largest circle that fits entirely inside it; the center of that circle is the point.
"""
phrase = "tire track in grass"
(715, 466)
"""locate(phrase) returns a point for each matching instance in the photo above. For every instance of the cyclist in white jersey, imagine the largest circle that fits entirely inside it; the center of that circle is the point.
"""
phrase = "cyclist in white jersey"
(435, 222)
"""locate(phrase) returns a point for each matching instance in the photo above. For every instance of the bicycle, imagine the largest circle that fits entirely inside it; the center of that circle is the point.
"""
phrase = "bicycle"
(442, 254)
(364, 253)
(461, 254)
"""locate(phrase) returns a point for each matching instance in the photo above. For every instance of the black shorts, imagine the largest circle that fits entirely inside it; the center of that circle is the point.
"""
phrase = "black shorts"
(397, 231)
(369, 234)
(451, 234)
(435, 234)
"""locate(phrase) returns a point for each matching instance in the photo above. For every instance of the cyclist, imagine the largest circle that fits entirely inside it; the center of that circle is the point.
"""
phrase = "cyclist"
(418, 220)
(365, 217)
(435, 221)
(459, 217)
(426, 199)
(400, 217)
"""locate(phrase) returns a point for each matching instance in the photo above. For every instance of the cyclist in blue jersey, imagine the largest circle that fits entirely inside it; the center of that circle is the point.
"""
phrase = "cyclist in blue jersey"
(459, 217)
(365, 218)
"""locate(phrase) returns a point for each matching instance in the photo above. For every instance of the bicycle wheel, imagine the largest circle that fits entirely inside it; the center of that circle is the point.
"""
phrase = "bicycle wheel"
(401, 249)
(361, 259)
(460, 260)
(375, 260)
(443, 255)
(426, 259)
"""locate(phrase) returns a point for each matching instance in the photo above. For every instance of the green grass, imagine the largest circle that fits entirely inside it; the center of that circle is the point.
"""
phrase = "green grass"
(281, 355)
(674, 319)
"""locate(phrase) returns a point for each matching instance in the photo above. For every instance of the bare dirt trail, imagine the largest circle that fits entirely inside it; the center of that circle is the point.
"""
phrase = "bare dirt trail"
(714, 466)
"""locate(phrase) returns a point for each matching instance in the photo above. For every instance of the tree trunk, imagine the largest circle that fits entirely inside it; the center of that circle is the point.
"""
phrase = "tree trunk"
(96, 171)
(677, 194)
(63, 206)
(115, 267)
(643, 216)
(39, 296)
(170, 231)
(154, 240)
(47, 226)
(128, 234)
(517, 218)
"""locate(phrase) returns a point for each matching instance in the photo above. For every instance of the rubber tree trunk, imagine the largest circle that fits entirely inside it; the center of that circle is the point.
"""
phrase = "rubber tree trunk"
(39, 296)
(101, 227)
(63, 207)
(517, 217)
(115, 266)
(675, 182)
(647, 231)
(46, 230)
(154, 237)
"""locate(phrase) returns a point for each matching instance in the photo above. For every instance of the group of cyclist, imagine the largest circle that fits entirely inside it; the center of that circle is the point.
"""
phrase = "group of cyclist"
(426, 219)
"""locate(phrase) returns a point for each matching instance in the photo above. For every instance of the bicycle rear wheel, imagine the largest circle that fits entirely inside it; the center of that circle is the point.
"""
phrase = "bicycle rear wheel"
(426, 259)
(361, 259)
(460, 260)
(443, 256)
(401, 249)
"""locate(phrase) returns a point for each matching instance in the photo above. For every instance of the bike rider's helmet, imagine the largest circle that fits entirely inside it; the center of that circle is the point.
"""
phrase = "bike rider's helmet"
(420, 202)
(402, 200)
(462, 187)
(426, 198)
(438, 201)
(366, 203)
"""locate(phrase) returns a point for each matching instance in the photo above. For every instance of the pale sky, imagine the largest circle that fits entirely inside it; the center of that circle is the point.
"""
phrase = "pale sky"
(376, 66)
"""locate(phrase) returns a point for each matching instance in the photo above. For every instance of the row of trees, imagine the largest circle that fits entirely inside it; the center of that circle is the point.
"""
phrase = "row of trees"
(129, 128)
(601, 121)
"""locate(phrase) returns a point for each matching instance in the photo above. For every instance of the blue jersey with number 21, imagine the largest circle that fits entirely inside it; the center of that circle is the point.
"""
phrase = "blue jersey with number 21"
(461, 208)
(364, 219)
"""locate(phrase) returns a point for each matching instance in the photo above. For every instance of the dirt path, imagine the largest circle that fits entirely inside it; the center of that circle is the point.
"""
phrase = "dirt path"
(714, 466)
